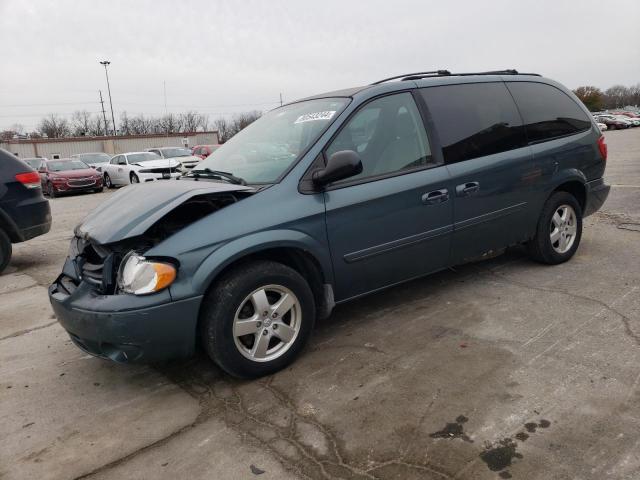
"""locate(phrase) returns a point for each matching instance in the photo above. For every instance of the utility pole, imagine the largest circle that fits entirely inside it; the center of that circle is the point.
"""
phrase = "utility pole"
(105, 63)
(280, 99)
(104, 115)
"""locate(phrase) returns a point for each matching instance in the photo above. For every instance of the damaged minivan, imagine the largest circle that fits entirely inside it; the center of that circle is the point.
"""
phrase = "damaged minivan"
(325, 200)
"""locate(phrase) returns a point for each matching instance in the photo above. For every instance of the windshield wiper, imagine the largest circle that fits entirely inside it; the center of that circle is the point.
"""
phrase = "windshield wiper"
(208, 173)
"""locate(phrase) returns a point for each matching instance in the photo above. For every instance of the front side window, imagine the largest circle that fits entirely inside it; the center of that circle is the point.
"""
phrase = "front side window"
(547, 111)
(474, 119)
(389, 136)
(264, 150)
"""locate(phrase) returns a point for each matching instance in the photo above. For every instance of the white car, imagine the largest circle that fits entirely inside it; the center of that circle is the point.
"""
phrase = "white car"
(181, 154)
(137, 167)
(602, 126)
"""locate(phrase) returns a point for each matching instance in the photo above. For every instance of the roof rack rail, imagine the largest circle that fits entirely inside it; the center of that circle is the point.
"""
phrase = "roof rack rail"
(447, 73)
(404, 76)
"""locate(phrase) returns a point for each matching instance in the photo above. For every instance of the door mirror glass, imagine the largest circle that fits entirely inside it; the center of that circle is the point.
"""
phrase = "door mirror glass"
(341, 165)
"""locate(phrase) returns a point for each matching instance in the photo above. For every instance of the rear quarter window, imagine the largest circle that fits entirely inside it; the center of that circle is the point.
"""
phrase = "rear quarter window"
(548, 112)
(474, 119)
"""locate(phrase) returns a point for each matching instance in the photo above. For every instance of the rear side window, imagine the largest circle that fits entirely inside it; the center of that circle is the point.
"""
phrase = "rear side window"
(547, 111)
(474, 120)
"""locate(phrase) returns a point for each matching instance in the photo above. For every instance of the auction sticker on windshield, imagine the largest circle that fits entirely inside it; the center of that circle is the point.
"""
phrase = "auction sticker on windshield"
(310, 117)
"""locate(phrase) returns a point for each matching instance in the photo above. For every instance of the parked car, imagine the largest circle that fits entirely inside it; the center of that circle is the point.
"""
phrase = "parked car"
(68, 175)
(612, 122)
(203, 151)
(325, 200)
(24, 212)
(602, 126)
(95, 160)
(136, 167)
(182, 155)
(33, 162)
(635, 122)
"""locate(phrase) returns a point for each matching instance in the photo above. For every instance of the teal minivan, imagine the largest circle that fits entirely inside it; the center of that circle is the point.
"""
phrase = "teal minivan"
(325, 200)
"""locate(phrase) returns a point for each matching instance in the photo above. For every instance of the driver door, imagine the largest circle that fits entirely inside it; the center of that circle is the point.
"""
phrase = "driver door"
(393, 221)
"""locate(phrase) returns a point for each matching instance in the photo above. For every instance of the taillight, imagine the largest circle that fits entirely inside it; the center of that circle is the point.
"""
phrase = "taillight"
(29, 179)
(602, 146)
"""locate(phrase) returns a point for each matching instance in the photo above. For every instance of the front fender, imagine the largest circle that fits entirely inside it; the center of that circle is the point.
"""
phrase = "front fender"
(260, 241)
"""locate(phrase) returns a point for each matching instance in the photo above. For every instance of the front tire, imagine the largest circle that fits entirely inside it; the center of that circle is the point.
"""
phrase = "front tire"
(5, 250)
(133, 178)
(559, 230)
(257, 319)
(51, 191)
(107, 181)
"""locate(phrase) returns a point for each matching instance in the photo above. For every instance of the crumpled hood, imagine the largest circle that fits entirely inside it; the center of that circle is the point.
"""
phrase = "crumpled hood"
(135, 208)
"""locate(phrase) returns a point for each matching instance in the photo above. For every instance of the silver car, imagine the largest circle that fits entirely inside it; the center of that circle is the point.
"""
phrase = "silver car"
(180, 154)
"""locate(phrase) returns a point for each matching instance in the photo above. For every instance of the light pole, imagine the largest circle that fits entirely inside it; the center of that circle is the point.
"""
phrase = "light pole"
(113, 118)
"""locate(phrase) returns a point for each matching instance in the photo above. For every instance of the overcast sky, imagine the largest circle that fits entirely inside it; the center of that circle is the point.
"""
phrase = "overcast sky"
(218, 57)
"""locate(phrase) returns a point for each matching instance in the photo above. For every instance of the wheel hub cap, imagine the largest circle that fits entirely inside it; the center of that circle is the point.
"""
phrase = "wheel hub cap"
(563, 228)
(267, 323)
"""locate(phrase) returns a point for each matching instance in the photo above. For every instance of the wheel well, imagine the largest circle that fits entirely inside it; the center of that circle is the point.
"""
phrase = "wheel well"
(576, 189)
(300, 260)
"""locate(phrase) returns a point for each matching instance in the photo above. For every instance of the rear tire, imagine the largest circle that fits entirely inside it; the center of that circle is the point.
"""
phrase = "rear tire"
(234, 305)
(5, 250)
(559, 230)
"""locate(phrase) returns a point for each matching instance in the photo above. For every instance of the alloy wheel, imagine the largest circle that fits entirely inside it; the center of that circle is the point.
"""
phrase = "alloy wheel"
(564, 227)
(267, 323)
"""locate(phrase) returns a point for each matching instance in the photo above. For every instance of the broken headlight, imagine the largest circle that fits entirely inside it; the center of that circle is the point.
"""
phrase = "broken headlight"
(141, 276)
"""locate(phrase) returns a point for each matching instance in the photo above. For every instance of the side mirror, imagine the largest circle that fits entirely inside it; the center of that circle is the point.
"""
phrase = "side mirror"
(341, 165)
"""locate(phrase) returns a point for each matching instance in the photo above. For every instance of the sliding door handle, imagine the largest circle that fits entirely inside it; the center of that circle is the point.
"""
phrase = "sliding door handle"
(436, 196)
(467, 188)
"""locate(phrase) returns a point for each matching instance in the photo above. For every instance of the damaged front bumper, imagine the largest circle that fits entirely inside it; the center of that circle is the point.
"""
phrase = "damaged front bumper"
(124, 327)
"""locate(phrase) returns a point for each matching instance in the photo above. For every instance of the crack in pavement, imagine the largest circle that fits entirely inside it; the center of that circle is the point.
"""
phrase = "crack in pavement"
(626, 321)
(29, 330)
(219, 395)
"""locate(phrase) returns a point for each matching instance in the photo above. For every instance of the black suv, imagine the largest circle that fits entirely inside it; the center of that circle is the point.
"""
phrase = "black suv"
(24, 212)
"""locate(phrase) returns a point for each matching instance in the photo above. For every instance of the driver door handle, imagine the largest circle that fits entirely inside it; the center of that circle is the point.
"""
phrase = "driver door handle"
(435, 197)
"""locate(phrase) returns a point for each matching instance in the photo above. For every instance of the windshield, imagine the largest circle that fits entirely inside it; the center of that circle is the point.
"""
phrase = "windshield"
(265, 149)
(176, 152)
(33, 162)
(62, 165)
(93, 158)
(142, 157)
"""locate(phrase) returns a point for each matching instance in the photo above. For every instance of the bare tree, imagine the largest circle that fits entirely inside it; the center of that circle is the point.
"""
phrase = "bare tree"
(191, 121)
(222, 126)
(139, 125)
(54, 127)
(125, 124)
(228, 128)
(617, 96)
(97, 127)
(168, 123)
(80, 121)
